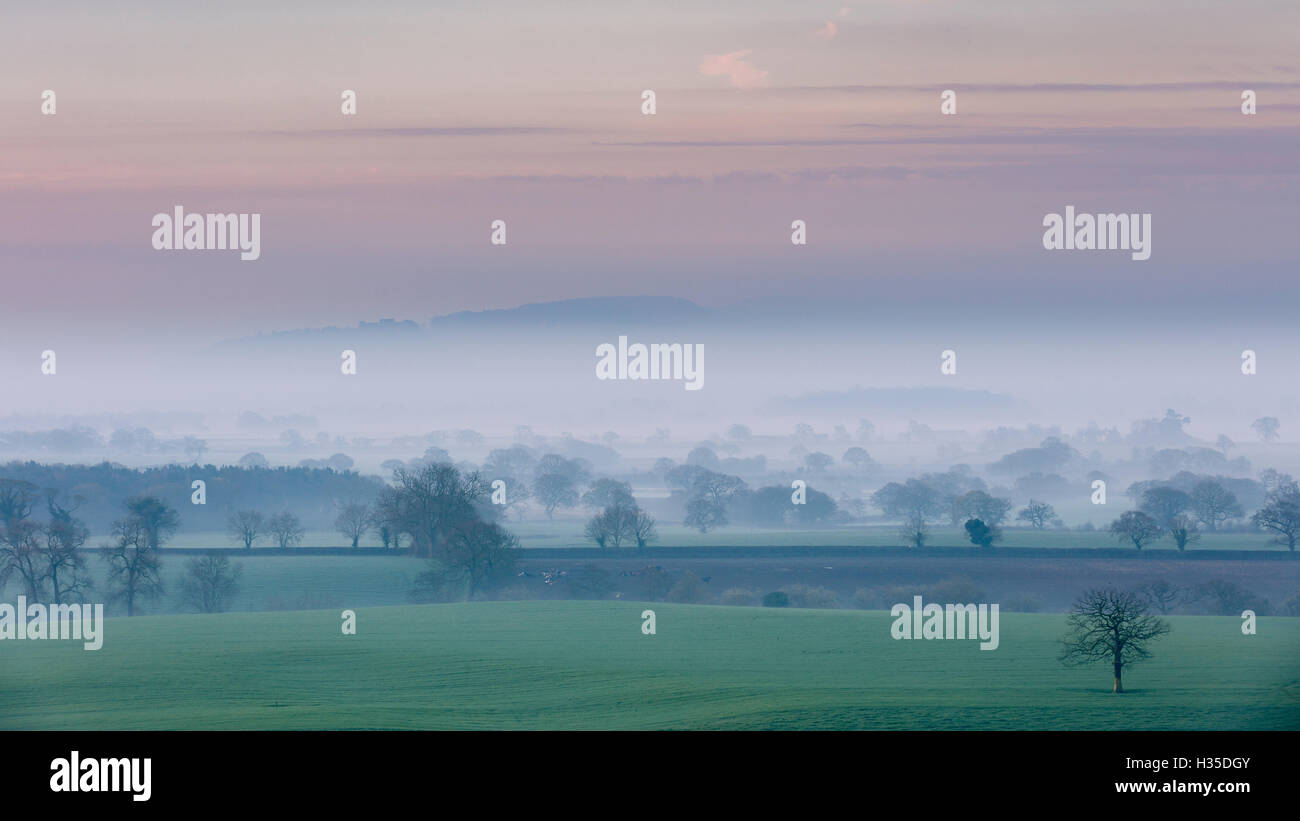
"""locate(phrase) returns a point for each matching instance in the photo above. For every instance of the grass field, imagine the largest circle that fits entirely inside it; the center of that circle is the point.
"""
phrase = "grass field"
(314, 582)
(586, 665)
(568, 533)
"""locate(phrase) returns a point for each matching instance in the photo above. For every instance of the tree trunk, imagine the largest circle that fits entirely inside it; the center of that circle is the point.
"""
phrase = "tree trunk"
(1119, 683)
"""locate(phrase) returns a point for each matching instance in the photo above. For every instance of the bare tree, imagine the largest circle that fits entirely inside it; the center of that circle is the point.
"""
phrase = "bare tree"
(134, 566)
(1136, 527)
(704, 515)
(1281, 514)
(1161, 595)
(1111, 626)
(914, 502)
(1213, 503)
(619, 524)
(353, 521)
(20, 557)
(474, 554)
(210, 583)
(1038, 514)
(643, 529)
(1184, 531)
(609, 527)
(1163, 504)
(286, 529)
(246, 526)
(61, 549)
(427, 502)
(158, 519)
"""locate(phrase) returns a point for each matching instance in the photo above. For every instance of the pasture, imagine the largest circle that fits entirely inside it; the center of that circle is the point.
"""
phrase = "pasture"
(587, 665)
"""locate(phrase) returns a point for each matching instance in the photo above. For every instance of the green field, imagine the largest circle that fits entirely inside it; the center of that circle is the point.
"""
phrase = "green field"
(568, 533)
(586, 665)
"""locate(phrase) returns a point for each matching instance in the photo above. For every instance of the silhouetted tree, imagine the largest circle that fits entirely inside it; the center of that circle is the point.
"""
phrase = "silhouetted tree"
(246, 526)
(1281, 514)
(1136, 527)
(134, 563)
(353, 521)
(286, 529)
(1213, 503)
(1110, 626)
(1038, 514)
(210, 583)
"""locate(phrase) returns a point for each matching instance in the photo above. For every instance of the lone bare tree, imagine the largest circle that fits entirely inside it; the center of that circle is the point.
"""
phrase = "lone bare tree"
(134, 566)
(1214, 504)
(61, 548)
(1161, 595)
(246, 526)
(210, 583)
(1038, 514)
(1112, 626)
(1136, 527)
(1281, 514)
(913, 502)
(20, 538)
(353, 521)
(286, 529)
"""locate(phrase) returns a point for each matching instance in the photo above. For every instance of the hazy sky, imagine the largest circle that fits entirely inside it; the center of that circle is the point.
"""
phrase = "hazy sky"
(530, 112)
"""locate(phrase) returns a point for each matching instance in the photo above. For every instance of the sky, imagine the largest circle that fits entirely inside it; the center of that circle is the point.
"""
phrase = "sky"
(531, 113)
(766, 112)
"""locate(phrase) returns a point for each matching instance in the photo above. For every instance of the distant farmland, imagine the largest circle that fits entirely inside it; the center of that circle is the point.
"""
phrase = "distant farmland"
(568, 533)
(586, 665)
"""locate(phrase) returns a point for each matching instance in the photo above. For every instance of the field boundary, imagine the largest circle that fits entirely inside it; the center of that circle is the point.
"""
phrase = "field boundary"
(811, 551)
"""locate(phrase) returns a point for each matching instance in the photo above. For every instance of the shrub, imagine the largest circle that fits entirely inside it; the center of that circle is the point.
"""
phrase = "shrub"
(210, 583)
(776, 599)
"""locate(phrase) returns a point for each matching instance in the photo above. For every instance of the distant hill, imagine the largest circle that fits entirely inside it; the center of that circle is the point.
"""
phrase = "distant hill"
(585, 310)
(624, 310)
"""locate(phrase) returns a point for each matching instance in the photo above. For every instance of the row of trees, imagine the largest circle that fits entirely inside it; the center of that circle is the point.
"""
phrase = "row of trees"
(47, 557)
(1173, 512)
(1163, 509)
(620, 520)
(247, 526)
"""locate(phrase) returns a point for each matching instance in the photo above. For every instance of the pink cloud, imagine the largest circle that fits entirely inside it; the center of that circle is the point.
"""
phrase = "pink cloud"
(743, 73)
(828, 31)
